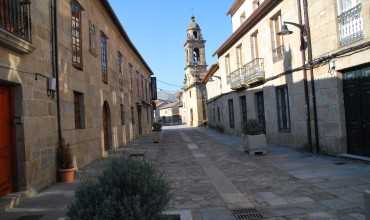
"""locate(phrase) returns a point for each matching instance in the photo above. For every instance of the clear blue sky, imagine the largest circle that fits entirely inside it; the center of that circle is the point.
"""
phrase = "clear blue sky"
(158, 30)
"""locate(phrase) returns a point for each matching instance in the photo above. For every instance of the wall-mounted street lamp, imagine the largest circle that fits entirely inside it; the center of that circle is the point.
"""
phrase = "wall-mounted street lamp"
(285, 31)
(305, 45)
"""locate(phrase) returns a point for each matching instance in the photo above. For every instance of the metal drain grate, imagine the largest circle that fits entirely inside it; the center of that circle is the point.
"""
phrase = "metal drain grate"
(247, 214)
(31, 217)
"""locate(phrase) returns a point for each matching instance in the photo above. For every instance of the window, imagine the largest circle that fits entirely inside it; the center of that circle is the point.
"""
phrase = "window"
(242, 18)
(196, 56)
(254, 45)
(131, 77)
(132, 115)
(218, 114)
(243, 109)
(15, 17)
(119, 62)
(195, 34)
(104, 56)
(283, 108)
(76, 35)
(239, 56)
(92, 38)
(79, 110)
(231, 113)
(228, 68)
(351, 24)
(122, 114)
(276, 40)
(260, 108)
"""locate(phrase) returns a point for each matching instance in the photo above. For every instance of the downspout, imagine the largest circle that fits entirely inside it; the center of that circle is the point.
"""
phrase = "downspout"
(310, 58)
(306, 90)
(55, 59)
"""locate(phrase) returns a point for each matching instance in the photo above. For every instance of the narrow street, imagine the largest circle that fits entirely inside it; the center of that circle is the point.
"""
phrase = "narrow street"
(211, 176)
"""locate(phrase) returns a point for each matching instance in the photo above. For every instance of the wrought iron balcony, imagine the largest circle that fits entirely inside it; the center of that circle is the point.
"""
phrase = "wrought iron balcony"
(236, 79)
(251, 73)
(351, 26)
(15, 18)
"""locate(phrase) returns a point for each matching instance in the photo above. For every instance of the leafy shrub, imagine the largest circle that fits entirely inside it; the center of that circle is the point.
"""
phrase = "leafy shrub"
(157, 126)
(127, 190)
(253, 127)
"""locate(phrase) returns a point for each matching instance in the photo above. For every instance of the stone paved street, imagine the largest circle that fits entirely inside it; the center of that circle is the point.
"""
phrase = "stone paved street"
(211, 175)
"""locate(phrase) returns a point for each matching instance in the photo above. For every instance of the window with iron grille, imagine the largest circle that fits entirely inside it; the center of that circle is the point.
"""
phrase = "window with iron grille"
(79, 109)
(283, 110)
(104, 56)
(276, 39)
(131, 77)
(351, 24)
(133, 115)
(231, 113)
(76, 35)
(122, 114)
(92, 38)
(15, 17)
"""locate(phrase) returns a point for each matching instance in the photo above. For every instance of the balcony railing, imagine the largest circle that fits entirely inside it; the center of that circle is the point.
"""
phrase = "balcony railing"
(15, 17)
(251, 73)
(351, 26)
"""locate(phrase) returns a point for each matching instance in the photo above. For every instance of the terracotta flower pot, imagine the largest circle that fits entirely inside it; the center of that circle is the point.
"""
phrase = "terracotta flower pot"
(67, 175)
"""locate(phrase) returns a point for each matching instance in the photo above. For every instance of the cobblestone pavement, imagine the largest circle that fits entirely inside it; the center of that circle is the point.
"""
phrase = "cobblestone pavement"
(211, 175)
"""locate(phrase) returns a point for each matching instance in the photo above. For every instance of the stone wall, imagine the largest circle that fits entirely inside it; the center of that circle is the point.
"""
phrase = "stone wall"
(35, 121)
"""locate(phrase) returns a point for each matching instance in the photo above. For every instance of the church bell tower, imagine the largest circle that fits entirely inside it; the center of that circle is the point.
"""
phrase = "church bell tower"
(194, 95)
(195, 58)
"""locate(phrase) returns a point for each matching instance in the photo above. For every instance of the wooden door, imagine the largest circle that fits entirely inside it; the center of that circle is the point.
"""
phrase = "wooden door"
(357, 104)
(5, 142)
(106, 126)
(139, 120)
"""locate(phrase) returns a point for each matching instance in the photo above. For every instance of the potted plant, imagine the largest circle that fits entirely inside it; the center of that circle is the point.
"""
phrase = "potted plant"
(67, 170)
(157, 128)
(253, 137)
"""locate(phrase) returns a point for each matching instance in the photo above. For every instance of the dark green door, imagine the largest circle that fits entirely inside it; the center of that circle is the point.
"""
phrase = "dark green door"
(356, 85)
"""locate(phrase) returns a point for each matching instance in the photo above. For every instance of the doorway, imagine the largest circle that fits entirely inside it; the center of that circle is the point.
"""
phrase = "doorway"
(139, 120)
(356, 86)
(6, 169)
(107, 127)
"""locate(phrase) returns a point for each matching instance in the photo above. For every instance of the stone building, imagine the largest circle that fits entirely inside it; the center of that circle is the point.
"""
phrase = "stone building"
(194, 94)
(170, 114)
(301, 67)
(73, 76)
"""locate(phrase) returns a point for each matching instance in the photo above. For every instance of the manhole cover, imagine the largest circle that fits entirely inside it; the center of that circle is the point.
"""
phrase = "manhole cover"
(31, 217)
(247, 214)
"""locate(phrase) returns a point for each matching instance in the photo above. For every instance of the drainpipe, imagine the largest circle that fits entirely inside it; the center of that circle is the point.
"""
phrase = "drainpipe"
(306, 90)
(309, 54)
(54, 53)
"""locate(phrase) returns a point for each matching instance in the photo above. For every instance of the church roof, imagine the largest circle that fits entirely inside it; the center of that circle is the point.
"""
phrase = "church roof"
(193, 24)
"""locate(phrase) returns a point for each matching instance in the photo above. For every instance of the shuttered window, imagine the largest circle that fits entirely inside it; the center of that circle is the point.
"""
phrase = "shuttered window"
(76, 35)
(282, 99)
(104, 56)
(231, 113)
(79, 110)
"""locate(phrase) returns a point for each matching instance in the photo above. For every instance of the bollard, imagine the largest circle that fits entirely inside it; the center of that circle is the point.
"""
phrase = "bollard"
(367, 204)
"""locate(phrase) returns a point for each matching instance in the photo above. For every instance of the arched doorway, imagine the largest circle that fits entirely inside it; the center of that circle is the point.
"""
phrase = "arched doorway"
(107, 131)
